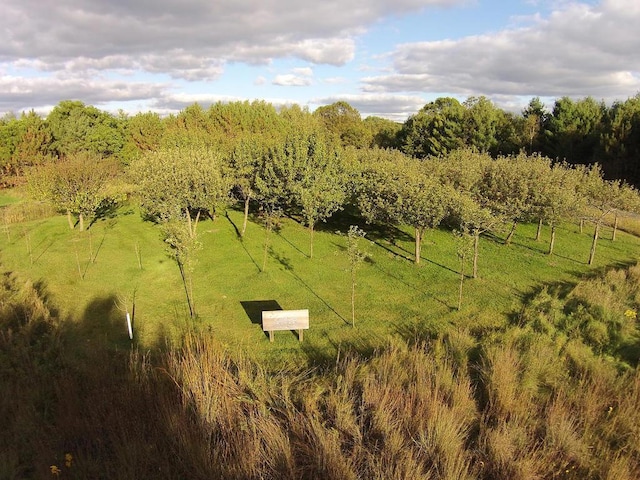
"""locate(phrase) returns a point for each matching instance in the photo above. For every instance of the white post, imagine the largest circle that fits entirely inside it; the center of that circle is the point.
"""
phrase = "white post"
(129, 326)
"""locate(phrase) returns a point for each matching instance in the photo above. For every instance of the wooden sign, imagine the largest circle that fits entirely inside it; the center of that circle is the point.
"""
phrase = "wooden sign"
(285, 320)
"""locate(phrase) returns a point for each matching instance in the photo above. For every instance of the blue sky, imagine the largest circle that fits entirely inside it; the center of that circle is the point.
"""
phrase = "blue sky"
(384, 57)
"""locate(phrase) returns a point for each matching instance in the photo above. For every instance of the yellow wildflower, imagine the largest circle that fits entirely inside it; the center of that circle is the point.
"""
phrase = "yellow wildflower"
(54, 470)
(631, 314)
(68, 458)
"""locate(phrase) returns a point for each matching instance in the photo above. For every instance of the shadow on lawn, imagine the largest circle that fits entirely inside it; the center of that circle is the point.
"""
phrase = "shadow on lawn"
(341, 221)
(254, 309)
(114, 411)
(286, 263)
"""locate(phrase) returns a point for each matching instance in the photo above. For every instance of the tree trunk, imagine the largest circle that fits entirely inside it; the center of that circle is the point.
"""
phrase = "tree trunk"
(511, 233)
(615, 229)
(539, 231)
(311, 229)
(581, 225)
(69, 219)
(552, 242)
(595, 241)
(195, 225)
(461, 282)
(81, 222)
(418, 249)
(267, 241)
(246, 215)
(353, 298)
(476, 243)
(186, 211)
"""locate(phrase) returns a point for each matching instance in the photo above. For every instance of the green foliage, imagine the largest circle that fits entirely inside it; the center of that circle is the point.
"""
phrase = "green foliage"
(573, 130)
(356, 256)
(144, 132)
(344, 121)
(382, 132)
(178, 182)
(435, 130)
(76, 186)
(400, 190)
(78, 128)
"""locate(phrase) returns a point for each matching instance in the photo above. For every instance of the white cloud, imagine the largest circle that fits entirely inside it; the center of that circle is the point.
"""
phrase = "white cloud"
(181, 39)
(391, 106)
(303, 71)
(291, 80)
(578, 50)
(39, 93)
(334, 80)
(320, 32)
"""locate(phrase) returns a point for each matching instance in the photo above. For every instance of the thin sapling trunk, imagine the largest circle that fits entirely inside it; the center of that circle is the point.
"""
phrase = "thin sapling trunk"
(511, 233)
(596, 232)
(418, 249)
(246, 215)
(476, 243)
(539, 231)
(69, 219)
(553, 238)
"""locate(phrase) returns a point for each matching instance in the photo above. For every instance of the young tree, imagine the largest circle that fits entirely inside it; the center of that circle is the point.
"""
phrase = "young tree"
(175, 186)
(271, 193)
(422, 202)
(76, 186)
(318, 181)
(471, 216)
(558, 198)
(244, 163)
(507, 187)
(464, 247)
(602, 197)
(183, 244)
(356, 256)
(181, 183)
(400, 190)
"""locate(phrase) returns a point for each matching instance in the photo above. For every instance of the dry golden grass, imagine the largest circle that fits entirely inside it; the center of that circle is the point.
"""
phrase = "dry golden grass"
(516, 404)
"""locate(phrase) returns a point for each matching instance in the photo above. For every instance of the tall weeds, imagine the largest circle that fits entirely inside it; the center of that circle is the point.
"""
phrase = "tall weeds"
(537, 400)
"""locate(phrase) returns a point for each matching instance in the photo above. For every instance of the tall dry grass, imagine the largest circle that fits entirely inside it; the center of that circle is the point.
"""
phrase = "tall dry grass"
(531, 401)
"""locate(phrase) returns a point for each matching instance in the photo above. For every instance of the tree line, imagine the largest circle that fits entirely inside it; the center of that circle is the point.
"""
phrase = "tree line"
(577, 131)
(294, 163)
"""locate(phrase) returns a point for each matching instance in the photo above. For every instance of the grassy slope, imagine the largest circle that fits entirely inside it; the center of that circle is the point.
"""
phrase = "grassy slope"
(393, 295)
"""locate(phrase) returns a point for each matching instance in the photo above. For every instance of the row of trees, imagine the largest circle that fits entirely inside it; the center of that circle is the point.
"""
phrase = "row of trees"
(577, 131)
(296, 163)
(302, 171)
(580, 131)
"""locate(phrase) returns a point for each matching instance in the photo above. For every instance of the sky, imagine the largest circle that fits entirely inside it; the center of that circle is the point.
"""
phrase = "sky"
(386, 58)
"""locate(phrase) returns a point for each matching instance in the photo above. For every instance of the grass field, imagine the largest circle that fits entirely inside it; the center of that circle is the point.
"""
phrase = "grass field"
(91, 277)
(523, 382)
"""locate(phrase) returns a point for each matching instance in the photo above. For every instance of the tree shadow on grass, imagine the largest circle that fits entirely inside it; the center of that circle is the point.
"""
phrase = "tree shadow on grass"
(295, 247)
(341, 221)
(286, 263)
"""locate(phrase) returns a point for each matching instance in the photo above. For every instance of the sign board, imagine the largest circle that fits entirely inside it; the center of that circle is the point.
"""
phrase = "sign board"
(285, 320)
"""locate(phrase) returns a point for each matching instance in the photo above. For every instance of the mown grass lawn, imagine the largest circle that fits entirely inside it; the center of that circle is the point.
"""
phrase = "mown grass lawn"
(91, 277)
